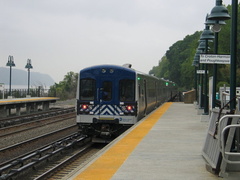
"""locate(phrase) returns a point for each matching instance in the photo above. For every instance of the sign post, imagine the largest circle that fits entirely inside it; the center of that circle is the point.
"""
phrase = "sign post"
(214, 59)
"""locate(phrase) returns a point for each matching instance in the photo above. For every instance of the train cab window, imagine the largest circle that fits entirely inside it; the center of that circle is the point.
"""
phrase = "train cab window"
(127, 90)
(107, 91)
(87, 89)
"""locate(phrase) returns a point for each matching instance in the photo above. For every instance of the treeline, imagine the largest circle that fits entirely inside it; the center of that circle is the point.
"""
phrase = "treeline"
(67, 88)
(176, 65)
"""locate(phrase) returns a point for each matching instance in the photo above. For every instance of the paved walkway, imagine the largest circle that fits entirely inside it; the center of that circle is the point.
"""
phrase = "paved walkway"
(166, 145)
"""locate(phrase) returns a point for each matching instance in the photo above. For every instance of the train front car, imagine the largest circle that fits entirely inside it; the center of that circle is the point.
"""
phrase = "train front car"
(106, 100)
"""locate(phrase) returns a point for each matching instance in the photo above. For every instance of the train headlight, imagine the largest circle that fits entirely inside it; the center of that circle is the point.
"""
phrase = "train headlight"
(104, 70)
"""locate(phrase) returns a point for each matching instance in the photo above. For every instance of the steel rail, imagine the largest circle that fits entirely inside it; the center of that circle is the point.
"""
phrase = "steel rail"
(10, 121)
(51, 171)
(32, 159)
(23, 128)
(36, 139)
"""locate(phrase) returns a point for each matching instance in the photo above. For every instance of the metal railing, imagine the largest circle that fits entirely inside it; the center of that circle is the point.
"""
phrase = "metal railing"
(230, 132)
(22, 93)
(225, 98)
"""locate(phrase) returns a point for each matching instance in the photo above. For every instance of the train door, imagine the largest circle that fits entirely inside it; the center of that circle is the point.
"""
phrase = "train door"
(156, 94)
(106, 99)
(145, 96)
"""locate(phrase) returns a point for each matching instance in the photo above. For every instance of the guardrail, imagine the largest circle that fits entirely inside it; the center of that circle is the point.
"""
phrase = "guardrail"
(225, 98)
(21, 93)
(228, 131)
(222, 145)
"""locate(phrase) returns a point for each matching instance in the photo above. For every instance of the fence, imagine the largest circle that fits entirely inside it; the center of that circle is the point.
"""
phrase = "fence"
(22, 93)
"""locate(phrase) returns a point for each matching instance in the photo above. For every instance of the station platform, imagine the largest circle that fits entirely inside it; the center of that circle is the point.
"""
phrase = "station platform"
(29, 103)
(166, 145)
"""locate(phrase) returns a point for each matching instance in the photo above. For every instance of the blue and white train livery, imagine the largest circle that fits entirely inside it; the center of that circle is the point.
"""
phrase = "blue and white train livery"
(111, 98)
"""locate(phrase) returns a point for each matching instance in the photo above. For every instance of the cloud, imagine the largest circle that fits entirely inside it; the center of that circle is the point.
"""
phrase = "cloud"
(68, 35)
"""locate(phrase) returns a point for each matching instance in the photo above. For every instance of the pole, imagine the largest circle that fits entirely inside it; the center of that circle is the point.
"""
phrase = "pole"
(195, 85)
(28, 79)
(205, 83)
(198, 86)
(215, 72)
(233, 54)
(10, 81)
(201, 98)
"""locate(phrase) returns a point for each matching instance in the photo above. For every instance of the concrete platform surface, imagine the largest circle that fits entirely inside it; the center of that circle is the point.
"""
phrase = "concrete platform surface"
(171, 150)
(168, 148)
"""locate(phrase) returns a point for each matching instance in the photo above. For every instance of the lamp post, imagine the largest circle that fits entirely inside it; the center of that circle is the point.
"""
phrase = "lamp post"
(233, 53)
(216, 28)
(11, 64)
(200, 50)
(206, 35)
(195, 64)
(198, 79)
(29, 66)
(220, 12)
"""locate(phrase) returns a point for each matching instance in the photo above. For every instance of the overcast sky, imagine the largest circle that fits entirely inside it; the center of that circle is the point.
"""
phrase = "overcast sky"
(60, 36)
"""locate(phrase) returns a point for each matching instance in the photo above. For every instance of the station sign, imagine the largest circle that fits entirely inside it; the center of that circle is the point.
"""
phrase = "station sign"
(214, 59)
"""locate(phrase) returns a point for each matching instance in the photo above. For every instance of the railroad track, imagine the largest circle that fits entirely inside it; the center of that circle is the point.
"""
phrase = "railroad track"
(36, 127)
(79, 162)
(59, 160)
(32, 162)
(67, 164)
(10, 135)
(14, 120)
(45, 155)
(16, 150)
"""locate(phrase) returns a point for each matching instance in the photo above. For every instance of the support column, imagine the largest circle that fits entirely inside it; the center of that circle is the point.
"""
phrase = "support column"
(3, 111)
(28, 108)
(18, 110)
(35, 107)
(45, 106)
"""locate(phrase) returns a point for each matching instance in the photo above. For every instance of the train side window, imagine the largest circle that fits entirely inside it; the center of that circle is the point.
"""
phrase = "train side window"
(87, 89)
(107, 91)
(127, 90)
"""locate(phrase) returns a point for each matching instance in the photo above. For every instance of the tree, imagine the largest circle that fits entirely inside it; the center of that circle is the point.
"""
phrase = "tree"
(176, 65)
(67, 88)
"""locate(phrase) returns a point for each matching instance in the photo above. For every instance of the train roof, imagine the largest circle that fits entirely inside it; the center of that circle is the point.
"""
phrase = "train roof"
(126, 67)
(109, 66)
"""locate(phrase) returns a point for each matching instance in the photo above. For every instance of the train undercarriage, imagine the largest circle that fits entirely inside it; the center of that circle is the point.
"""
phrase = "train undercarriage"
(102, 132)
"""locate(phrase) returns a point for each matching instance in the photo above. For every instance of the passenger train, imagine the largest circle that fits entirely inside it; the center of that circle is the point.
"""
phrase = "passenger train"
(112, 98)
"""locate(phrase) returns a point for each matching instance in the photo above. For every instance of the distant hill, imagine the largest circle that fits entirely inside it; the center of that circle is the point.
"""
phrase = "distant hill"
(20, 77)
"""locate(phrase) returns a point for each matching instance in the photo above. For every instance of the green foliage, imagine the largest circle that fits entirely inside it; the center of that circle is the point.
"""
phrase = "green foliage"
(159, 71)
(176, 65)
(65, 89)
(222, 84)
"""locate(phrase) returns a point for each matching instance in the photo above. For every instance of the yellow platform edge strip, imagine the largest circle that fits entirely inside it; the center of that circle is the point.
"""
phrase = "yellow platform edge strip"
(32, 99)
(107, 165)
